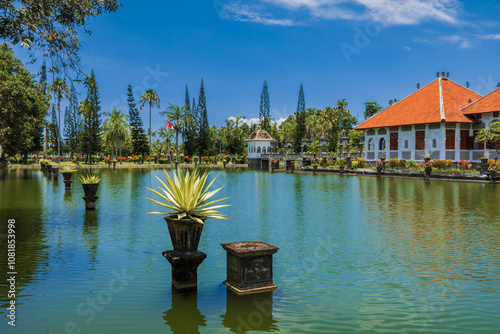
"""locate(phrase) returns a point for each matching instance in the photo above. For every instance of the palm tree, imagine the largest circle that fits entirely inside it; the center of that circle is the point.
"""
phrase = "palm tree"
(60, 90)
(153, 100)
(116, 128)
(167, 135)
(176, 115)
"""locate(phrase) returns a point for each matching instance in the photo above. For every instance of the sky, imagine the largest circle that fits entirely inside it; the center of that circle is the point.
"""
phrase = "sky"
(357, 50)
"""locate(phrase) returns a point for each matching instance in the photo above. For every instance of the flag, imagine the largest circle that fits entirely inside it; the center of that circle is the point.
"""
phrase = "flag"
(170, 125)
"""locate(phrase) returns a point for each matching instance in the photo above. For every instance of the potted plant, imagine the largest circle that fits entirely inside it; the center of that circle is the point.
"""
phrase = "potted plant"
(292, 165)
(67, 172)
(188, 199)
(428, 168)
(379, 164)
(90, 184)
(494, 169)
(342, 163)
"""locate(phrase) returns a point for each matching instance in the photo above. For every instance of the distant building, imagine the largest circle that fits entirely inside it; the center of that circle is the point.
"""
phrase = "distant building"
(258, 143)
(440, 120)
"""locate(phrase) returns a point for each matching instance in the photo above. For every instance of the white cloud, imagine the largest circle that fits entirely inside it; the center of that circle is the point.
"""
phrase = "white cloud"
(462, 41)
(387, 12)
(491, 36)
(251, 121)
(407, 48)
(244, 13)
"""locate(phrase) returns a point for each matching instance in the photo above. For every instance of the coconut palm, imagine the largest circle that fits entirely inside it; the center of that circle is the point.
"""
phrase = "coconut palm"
(167, 135)
(60, 90)
(116, 128)
(176, 116)
(314, 126)
(153, 100)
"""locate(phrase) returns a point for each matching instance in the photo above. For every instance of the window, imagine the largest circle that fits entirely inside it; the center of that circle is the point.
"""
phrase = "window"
(258, 149)
(394, 141)
(495, 114)
(464, 140)
(370, 144)
(420, 140)
(406, 143)
(381, 144)
(480, 146)
(434, 143)
(478, 116)
(450, 139)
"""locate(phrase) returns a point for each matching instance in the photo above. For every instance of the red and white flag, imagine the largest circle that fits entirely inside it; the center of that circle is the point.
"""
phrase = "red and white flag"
(170, 125)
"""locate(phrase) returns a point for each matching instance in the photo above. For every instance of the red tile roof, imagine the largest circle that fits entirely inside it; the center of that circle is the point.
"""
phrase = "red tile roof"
(489, 103)
(424, 107)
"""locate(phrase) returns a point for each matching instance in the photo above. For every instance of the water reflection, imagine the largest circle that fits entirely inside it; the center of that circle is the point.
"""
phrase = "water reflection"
(184, 316)
(249, 313)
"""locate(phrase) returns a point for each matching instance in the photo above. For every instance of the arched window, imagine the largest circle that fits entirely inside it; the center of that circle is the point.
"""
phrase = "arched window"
(258, 149)
(370, 144)
(381, 144)
(406, 143)
(434, 143)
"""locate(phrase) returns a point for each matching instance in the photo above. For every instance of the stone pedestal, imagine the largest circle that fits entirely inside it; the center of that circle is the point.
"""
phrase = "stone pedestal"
(176, 163)
(90, 202)
(184, 268)
(249, 267)
(55, 173)
(67, 184)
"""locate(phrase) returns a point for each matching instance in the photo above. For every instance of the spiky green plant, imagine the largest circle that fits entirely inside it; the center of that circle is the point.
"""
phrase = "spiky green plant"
(67, 169)
(90, 179)
(187, 196)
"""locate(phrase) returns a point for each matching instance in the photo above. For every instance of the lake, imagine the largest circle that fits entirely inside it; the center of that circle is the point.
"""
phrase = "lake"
(357, 254)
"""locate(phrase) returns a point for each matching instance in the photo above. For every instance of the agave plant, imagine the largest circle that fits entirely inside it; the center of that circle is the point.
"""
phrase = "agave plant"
(90, 179)
(67, 169)
(187, 196)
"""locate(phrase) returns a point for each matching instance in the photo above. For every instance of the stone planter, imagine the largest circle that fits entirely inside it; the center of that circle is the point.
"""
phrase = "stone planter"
(49, 169)
(493, 176)
(67, 180)
(341, 168)
(428, 171)
(315, 168)
(379, 169)
(249, 267)
(90, 195)
(484, 166)
(185, 258)
(224, 162)
(427, 159)
(55, 173)
(292, 167)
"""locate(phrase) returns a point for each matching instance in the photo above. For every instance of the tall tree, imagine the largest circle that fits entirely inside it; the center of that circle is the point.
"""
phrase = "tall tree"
(60, 90)
(72, 122)
(371, 108)
(51, 27)
(116, 129)
(90, 110)
(153, 100)
(139, 137)
(176, 115)
(490, 135)
(189, 127)
(204, 127)
(43, 89)
(265, 108)
(23, 107)
(300, 120)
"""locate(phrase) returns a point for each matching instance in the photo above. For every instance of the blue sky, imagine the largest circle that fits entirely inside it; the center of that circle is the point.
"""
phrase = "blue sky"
(358, 50)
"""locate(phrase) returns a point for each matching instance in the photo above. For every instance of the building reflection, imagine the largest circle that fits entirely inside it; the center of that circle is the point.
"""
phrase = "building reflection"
(184, 316)
(249, 313)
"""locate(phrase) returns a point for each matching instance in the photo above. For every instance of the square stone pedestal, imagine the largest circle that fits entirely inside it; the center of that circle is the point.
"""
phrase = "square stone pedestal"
(249, 267)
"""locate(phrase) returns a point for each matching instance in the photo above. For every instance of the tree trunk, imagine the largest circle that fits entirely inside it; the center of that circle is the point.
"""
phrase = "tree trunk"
(120, 149)
(176, 145)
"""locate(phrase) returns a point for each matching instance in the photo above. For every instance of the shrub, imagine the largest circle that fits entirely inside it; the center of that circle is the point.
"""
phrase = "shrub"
(411, 164)
(12, 160)
(361, 163)
(402, 163)
(442, 164)
(162, 161)
(464, 164)
(341, 162)
(394, 162)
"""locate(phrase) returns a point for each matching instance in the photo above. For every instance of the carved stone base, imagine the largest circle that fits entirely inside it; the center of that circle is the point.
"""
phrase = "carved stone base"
(248, 291)
(184, 268)
(67, 184)
(90, 202)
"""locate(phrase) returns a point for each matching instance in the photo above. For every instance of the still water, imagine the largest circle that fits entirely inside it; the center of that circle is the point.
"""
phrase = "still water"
(357, 254)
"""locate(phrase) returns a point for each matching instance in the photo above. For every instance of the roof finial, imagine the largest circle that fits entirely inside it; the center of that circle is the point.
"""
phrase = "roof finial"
(418, 86)
(467, 84)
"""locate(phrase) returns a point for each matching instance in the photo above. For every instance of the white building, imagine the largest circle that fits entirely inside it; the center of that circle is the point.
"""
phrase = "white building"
(439, 120)
(258, 143)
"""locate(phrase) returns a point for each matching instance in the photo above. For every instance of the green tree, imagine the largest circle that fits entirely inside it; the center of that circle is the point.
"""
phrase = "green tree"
(300, 120)
(490, 135)
(265, 108)
(189, 126)
(90, 109)
(204, 127)
(116, 129)
(138, 135)
(153, 100)
(72, 122)
(176, 115)
(43, 89)
(60, 90)
(23, 107)
(371, 108)
(52, 27)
